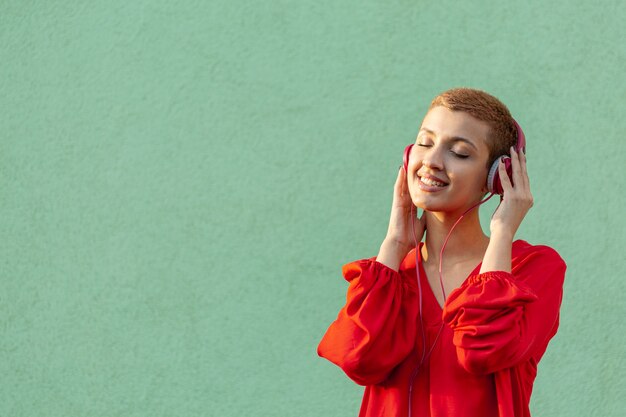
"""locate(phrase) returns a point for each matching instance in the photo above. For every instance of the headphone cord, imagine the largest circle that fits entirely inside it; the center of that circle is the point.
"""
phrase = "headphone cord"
(448, 237)
(419, 286)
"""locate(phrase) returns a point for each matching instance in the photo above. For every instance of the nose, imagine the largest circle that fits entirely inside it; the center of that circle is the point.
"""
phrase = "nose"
(432, 160)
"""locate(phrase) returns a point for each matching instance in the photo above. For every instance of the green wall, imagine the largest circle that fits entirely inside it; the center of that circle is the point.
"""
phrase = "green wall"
(180, 184)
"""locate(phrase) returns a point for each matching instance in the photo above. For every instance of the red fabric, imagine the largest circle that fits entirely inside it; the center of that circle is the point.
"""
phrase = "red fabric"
(496, 327)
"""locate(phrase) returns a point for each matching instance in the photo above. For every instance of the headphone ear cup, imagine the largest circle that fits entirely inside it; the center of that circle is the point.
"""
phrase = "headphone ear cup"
(405, 158)
(493, 178)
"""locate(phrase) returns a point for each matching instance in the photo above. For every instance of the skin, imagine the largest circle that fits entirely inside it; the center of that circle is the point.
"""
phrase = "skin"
(437, 153)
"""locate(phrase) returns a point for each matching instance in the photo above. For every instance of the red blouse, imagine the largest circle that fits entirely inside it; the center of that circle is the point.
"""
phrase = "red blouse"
(497, 326)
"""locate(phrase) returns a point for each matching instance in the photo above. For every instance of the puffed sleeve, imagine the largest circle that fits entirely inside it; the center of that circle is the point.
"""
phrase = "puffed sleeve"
(501, 319)
(375, 329)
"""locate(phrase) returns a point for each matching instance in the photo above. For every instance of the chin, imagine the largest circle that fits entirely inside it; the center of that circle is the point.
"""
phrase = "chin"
(440, 207)
(445, 203)
(428, 206)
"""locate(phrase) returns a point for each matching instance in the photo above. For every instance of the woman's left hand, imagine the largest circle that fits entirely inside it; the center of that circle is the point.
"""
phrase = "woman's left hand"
(516, 200)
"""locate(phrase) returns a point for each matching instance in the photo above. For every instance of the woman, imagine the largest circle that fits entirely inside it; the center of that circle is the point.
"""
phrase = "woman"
(459, 333)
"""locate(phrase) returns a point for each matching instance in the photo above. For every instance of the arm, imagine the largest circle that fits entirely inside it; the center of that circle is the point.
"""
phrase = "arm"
(516, 201)
(404, 229)
(504, 315)
(498, 254)
(501, 319)
(375, 330)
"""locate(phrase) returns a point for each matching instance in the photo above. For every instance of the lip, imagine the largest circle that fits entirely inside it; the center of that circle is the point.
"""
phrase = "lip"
(432, 177)
(429, 188)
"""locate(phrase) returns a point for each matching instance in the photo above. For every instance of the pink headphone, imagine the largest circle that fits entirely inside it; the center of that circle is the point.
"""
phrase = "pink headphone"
(493, 178)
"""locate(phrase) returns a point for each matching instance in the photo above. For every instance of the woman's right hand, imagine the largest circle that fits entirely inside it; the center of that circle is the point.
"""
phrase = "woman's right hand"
(401, 230)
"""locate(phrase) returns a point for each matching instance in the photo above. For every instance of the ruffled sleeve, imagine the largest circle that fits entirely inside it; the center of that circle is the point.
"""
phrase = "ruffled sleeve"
(375, 329)
(501, 319)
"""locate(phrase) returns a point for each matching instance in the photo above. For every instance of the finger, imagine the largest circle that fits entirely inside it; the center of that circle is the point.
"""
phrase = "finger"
(404, 190)
(403, 184)
(397, 187)
(516, 170)
(527, 192)
(524, 168)
(504, 178)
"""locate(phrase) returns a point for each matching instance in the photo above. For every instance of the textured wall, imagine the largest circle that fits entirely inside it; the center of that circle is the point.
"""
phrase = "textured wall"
(181, 183)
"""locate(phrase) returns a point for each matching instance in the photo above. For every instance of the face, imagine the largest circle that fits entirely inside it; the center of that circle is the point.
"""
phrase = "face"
(447, 166)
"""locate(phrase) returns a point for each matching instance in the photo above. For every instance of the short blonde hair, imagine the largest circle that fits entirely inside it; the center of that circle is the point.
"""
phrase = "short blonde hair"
(487, 108)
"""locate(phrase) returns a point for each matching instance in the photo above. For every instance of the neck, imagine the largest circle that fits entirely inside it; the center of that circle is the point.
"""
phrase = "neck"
(466, 242)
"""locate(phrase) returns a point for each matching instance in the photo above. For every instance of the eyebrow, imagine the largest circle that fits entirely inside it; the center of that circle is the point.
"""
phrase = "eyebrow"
(453, 138)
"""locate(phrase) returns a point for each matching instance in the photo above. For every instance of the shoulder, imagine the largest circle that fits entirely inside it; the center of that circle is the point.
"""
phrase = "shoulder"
(539, 258)
(522, 249)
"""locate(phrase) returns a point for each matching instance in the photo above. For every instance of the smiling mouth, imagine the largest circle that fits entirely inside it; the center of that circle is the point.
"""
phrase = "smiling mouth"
(431, 183)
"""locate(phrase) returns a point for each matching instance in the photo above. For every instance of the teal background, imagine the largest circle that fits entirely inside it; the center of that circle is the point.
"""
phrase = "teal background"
(181, 182)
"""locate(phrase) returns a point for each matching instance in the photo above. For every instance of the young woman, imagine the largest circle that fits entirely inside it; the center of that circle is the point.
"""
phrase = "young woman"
(457, 334)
